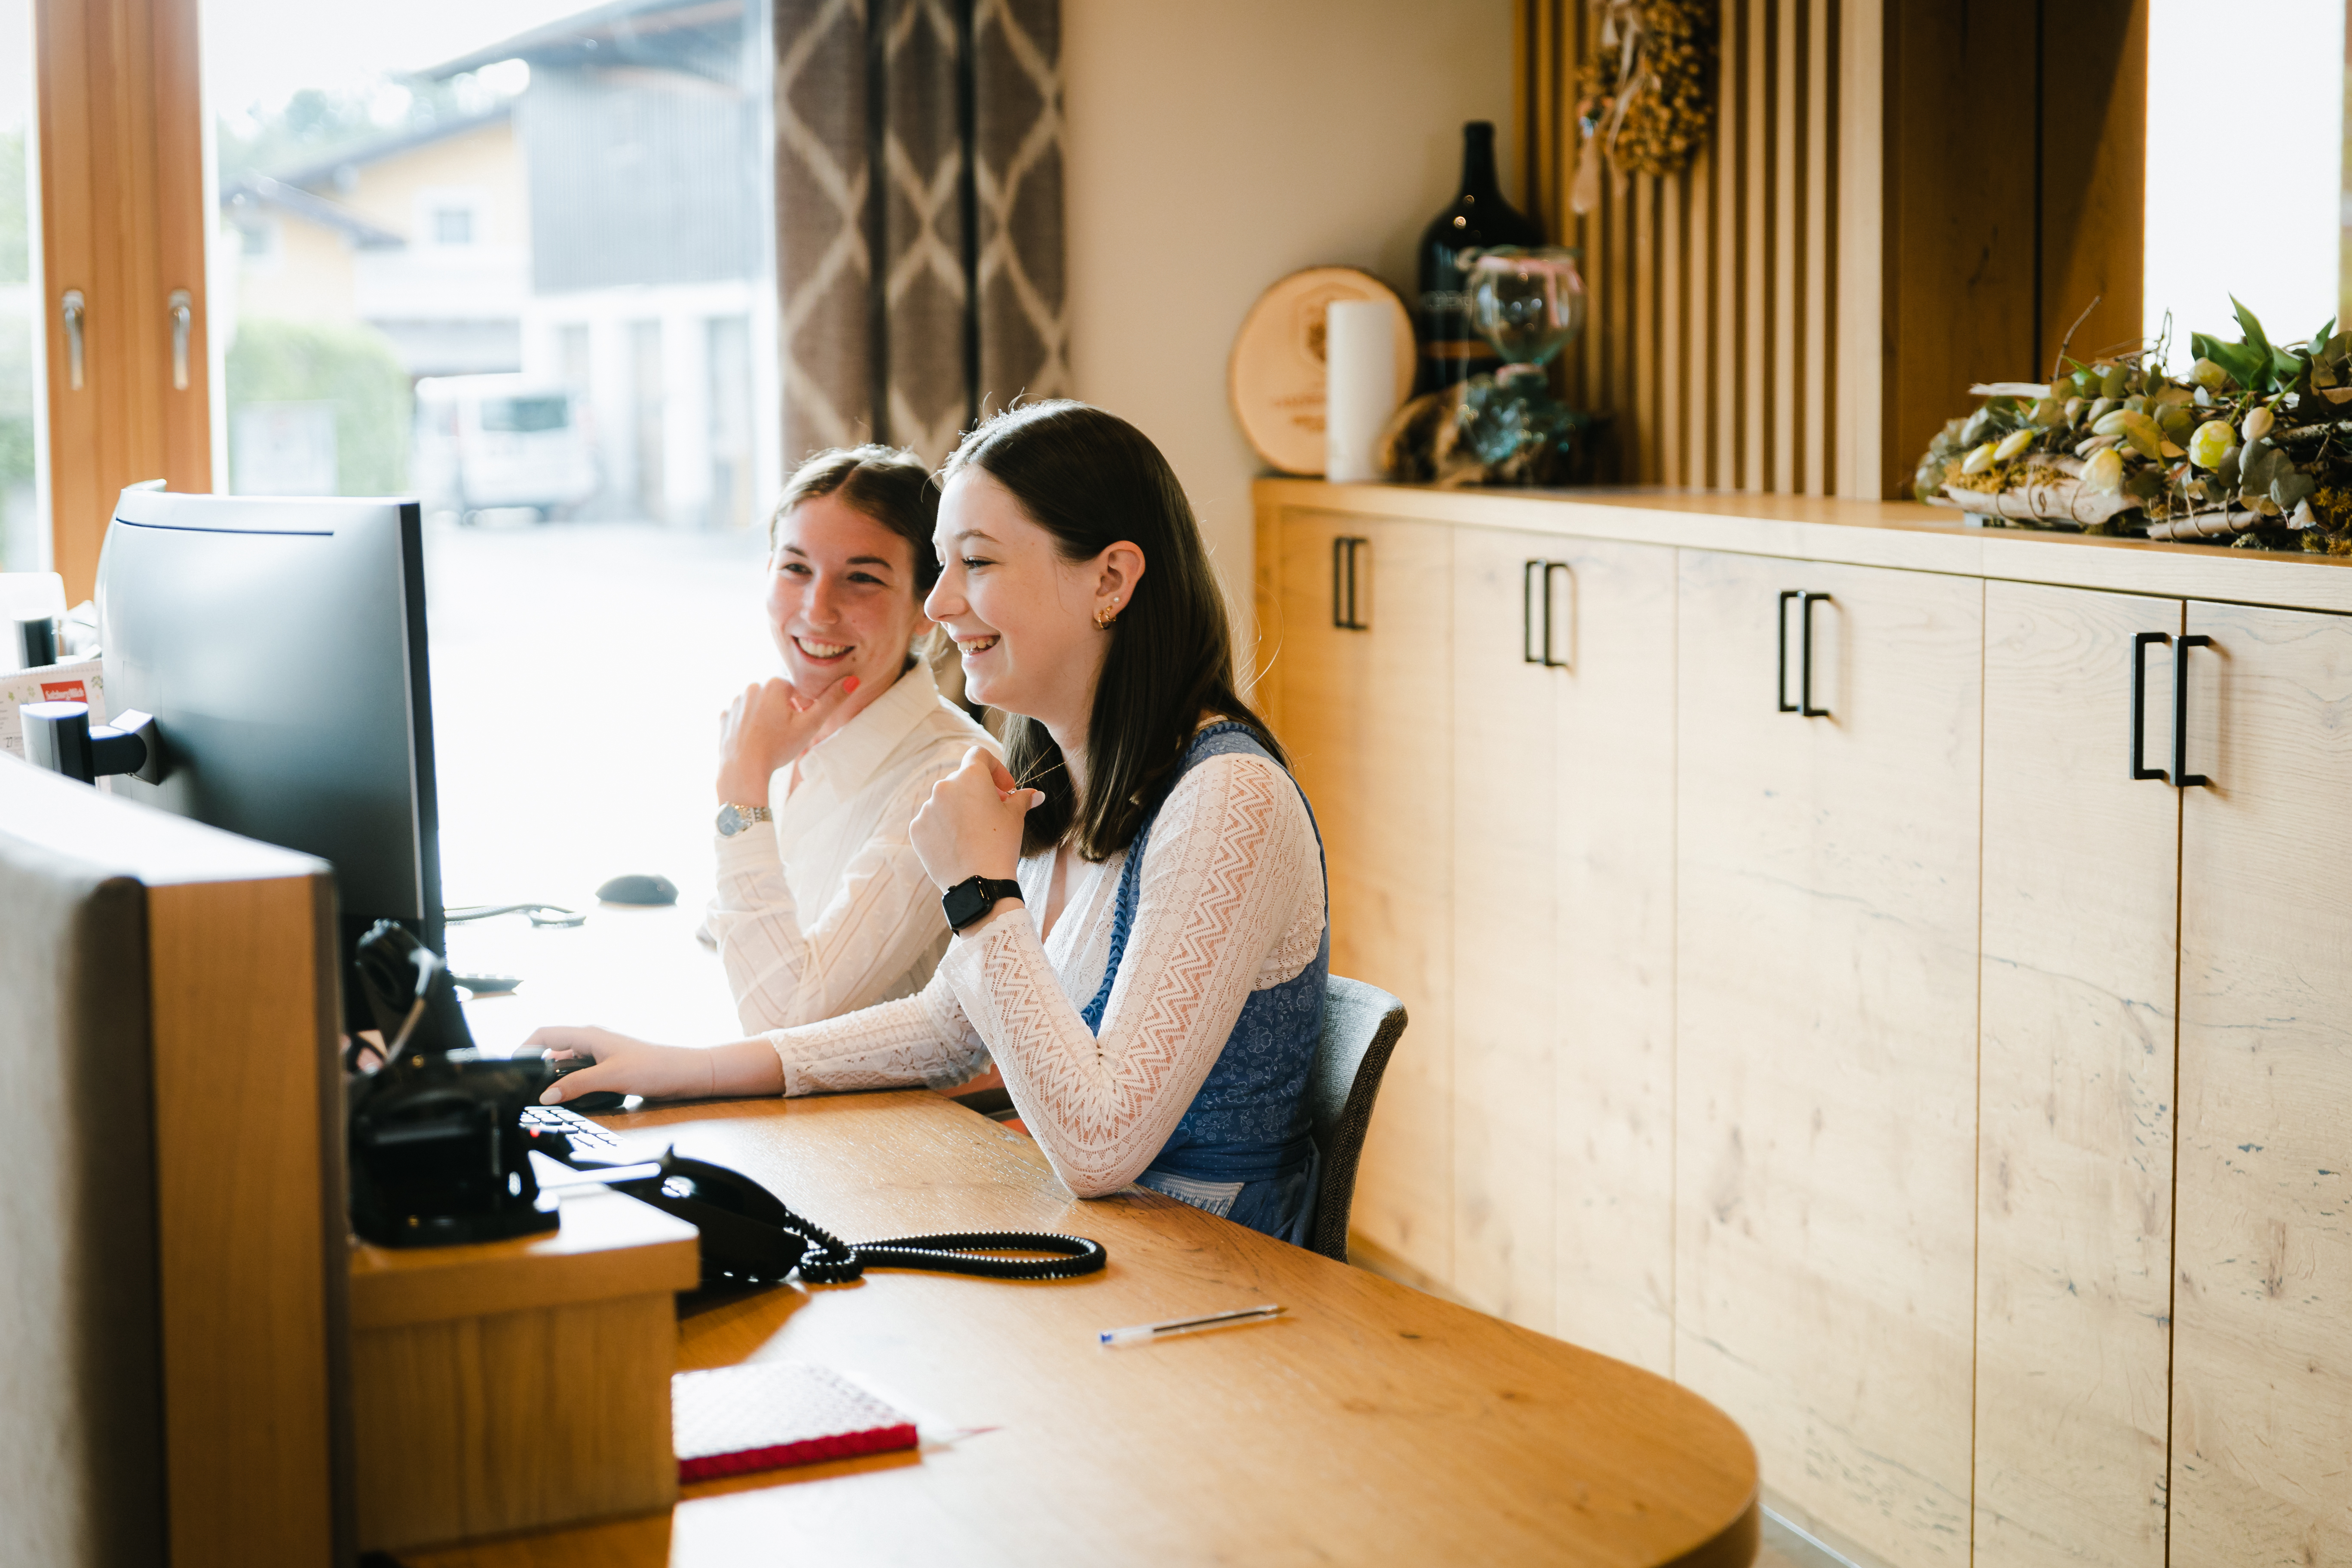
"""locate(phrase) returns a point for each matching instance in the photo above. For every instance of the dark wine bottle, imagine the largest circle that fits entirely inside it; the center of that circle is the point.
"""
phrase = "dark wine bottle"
(1450, 349)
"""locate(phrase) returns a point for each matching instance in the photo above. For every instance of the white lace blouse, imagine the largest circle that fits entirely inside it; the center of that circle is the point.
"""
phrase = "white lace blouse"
(831, 911)
(1230, 902)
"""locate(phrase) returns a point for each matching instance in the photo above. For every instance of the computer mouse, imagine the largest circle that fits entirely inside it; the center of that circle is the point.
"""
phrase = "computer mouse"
(635, 888)
(591, 1104)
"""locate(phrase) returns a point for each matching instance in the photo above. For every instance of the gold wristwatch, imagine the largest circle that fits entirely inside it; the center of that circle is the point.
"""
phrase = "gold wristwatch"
(734, 819)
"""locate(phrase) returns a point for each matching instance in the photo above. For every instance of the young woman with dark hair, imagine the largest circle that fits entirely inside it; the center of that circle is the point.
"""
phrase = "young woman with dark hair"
(828, 910)
(1138, 900)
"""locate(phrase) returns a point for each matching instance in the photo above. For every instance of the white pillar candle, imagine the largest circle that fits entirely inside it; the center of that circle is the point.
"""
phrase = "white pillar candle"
(1361, 392)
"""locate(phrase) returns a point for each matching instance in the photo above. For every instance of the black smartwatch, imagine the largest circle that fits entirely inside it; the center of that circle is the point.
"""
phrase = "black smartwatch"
(973, 898)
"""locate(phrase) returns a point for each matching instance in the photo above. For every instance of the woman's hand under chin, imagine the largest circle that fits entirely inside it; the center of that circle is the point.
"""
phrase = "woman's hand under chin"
(971, 825)
(768, 728)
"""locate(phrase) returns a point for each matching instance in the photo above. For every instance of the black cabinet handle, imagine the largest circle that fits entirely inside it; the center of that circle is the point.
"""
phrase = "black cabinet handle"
(2140, 644)
(1781, 688)
(1344, 602)
(1550, 567)
(1805, 679)
(2181, 777)
(1534, 633)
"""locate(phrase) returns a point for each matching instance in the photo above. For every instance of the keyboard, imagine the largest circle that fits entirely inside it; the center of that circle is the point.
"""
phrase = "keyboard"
(589, 1141)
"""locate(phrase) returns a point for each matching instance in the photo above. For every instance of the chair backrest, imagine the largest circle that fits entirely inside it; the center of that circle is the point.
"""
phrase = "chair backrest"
(1361, 1026)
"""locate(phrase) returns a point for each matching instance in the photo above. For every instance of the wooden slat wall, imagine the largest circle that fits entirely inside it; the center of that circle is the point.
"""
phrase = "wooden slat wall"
(1884, 213)
(1715, 326)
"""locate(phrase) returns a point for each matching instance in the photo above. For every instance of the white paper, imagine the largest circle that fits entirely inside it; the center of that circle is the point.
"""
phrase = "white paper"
(1361, 388)
(76, 682)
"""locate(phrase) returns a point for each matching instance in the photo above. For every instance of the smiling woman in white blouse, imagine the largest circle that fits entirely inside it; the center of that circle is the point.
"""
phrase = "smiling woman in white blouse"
(1139, 901)
(828, 909)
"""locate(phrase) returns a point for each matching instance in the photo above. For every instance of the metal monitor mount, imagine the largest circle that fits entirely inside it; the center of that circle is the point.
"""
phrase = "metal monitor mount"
(59, 737)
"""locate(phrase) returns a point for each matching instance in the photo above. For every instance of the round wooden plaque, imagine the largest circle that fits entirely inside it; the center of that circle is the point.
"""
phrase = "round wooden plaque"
(1275, 375)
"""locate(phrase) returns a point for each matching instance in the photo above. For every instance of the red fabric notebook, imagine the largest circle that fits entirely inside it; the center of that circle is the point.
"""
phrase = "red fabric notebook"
(765, 1415)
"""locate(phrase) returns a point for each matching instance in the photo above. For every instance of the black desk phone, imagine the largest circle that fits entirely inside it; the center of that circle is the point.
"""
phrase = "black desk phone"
(441, 1147)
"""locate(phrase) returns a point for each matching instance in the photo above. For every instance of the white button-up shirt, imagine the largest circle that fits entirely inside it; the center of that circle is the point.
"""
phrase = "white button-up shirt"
(833, 912)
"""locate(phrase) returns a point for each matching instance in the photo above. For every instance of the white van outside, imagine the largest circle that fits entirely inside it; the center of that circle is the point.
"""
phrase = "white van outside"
(500, 441)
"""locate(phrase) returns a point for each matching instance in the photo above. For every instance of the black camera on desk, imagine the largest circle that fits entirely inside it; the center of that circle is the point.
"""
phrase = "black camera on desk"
(438, 1152)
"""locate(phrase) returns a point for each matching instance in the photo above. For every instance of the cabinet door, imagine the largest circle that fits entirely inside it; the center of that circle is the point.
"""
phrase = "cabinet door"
(1612, 805)
(2075, 1165)
(1364, 718)
(2262, 1299)
(1826, 1038)
(1505, 933)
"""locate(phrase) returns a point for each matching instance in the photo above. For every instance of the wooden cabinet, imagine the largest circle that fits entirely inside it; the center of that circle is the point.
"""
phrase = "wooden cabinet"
(2075, 1086)
(1826, 1032)
(1613, 953)
(2261, 1411)
(1968, 1116)
(1362, 711)
(1563, 937)
(1506, 925)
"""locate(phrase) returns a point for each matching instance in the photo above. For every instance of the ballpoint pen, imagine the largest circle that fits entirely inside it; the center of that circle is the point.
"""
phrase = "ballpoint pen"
(1142, 1332)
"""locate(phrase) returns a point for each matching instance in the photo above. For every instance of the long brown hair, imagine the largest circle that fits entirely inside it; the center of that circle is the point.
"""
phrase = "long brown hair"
(1090, 479)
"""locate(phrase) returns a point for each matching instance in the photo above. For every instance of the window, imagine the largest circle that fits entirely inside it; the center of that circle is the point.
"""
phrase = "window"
(258, 243)
(524, 415)
(2280, 251)
(449, 219)
(472, 305)
(24, 533)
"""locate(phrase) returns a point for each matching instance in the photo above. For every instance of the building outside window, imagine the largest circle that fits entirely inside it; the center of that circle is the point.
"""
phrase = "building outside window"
(24, 542)
(511, 256)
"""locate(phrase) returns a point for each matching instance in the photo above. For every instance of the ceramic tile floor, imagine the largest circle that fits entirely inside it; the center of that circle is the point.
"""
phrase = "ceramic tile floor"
(1784, 1548)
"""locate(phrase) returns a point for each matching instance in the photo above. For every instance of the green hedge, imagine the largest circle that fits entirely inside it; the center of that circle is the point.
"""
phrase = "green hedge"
(352, 367)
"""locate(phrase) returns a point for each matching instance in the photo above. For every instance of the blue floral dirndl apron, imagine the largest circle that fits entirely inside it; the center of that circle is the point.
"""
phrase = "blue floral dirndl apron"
(1244, 1148)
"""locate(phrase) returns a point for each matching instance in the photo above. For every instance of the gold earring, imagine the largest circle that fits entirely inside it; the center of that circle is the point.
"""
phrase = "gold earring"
(1105, 614)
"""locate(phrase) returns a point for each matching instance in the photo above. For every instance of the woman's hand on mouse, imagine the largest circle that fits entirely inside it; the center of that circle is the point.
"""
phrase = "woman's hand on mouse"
(626, 1066)
(768, 728)
(970, 825)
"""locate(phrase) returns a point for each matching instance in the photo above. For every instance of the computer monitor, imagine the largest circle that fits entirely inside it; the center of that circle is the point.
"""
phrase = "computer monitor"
(279, 644)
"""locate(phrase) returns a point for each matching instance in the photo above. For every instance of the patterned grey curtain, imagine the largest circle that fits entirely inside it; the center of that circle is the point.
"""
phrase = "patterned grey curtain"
(919, 215)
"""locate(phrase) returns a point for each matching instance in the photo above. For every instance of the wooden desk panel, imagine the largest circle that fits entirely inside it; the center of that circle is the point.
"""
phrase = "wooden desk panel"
(1374, 1425)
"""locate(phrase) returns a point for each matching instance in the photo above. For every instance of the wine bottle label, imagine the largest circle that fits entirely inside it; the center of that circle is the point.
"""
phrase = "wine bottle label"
(1435, 300)
(1458, 349)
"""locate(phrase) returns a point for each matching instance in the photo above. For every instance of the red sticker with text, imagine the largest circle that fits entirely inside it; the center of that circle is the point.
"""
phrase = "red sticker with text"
(63, 691)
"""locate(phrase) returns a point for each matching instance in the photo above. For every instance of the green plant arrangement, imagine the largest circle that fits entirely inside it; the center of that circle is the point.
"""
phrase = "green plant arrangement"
(2254, 450)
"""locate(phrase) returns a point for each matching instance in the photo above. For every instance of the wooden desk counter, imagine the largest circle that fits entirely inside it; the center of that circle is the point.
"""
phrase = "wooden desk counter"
(1374, 1424)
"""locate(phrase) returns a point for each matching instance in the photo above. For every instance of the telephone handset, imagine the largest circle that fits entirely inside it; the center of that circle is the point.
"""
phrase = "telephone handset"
(749, 1237)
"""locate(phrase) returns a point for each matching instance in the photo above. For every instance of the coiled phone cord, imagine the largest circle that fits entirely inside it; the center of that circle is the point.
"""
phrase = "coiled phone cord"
(744, 1227)
(833, 1261)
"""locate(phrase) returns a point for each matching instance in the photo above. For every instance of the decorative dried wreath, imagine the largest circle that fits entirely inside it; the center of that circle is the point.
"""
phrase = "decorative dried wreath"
(1643, 100)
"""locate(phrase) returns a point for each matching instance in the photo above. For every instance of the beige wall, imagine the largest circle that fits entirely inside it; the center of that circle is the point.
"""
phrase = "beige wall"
(309, 279)
(1215, 145)
(485, 160)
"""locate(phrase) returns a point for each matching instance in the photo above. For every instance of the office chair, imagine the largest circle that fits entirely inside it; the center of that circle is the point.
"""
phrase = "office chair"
(1361, 1026)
